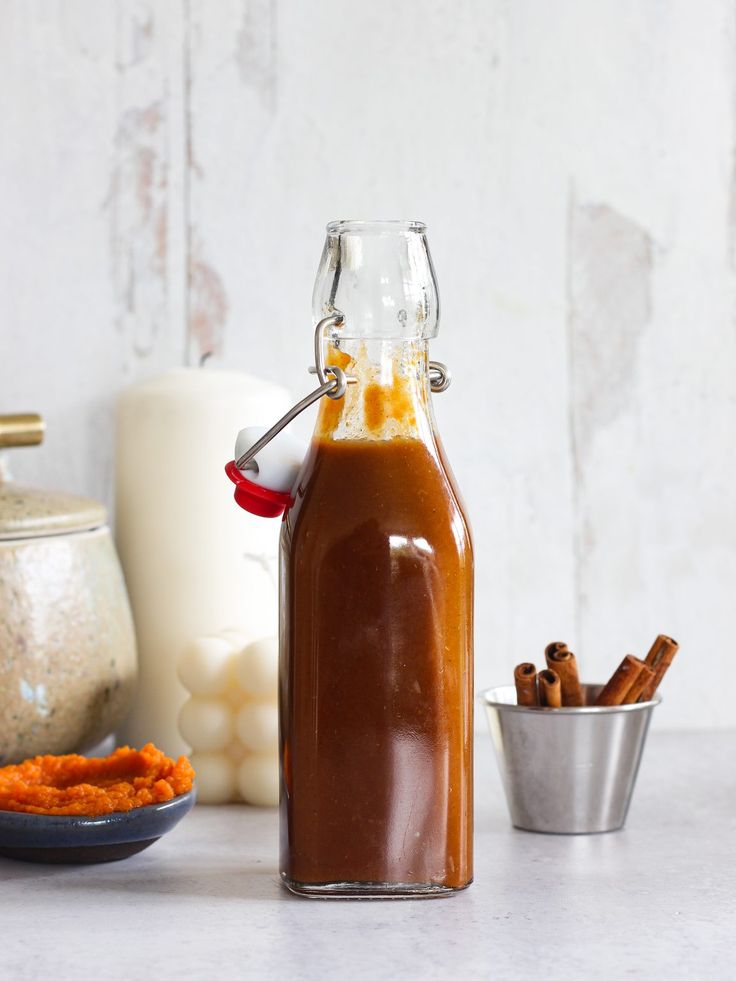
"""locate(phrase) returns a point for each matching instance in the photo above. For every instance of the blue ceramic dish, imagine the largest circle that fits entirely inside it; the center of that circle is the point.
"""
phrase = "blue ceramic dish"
(75, 839)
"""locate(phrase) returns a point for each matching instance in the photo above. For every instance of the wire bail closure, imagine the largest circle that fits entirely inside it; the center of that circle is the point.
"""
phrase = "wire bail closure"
(333, 384)
(320, 368)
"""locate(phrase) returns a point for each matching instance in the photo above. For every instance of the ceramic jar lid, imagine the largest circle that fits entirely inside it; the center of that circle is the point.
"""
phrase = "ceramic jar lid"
(31, 512)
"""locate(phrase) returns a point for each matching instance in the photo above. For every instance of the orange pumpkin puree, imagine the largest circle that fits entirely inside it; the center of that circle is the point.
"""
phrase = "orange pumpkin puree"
(74, 784)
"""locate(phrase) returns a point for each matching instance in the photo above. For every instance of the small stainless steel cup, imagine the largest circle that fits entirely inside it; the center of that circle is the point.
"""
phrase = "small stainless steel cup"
(567, 770)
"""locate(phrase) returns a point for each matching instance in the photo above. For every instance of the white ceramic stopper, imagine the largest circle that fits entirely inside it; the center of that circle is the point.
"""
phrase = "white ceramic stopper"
(278, 462)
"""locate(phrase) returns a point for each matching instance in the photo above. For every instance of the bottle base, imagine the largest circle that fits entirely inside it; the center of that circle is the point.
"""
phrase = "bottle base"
(370, 890)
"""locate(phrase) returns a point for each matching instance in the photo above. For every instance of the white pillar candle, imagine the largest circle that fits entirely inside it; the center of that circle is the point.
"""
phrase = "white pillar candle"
(192, 558)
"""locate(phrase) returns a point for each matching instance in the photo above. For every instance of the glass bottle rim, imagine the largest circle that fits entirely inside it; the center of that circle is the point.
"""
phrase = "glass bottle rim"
(376, 225)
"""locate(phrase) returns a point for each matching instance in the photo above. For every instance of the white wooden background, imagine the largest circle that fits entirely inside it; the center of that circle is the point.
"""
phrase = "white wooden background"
(167, 169)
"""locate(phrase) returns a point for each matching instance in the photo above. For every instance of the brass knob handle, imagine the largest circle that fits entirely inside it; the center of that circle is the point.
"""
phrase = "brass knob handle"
(21, 429)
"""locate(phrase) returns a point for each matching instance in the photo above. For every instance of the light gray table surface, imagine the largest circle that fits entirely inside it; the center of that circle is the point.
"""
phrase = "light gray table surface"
(656, 900)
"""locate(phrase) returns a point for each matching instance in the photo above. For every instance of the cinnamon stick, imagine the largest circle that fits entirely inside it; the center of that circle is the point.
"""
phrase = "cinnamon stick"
(525, 679)
(550, 690)
(564, 663)
(556, 645)
(645, 677)
(659, 658)
(621, 682)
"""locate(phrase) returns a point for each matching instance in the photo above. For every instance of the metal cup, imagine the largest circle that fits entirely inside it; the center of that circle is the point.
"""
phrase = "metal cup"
(567, 770)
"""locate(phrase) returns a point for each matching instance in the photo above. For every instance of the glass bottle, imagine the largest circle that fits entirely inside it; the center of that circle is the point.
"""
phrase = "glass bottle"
(376, 599)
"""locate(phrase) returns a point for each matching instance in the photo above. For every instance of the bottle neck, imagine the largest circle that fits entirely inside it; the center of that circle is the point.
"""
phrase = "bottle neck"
(390, 397)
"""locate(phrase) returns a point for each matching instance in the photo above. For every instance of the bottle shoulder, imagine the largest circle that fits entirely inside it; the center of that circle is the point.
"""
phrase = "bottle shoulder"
(400, 488)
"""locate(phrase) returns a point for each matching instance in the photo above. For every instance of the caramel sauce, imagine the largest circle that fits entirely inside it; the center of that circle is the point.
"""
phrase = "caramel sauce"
(331, 410)
(381, 403)
(376, 668)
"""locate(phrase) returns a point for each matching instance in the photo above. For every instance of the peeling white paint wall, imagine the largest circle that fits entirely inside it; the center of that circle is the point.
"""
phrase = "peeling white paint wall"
(167, 169)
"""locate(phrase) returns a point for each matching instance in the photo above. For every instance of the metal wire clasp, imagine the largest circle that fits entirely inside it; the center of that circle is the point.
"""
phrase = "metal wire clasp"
(333, 384)
(440, 376)
(320, 369)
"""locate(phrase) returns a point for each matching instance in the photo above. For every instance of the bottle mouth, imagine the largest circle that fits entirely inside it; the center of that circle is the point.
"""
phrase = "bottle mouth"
(381, 226)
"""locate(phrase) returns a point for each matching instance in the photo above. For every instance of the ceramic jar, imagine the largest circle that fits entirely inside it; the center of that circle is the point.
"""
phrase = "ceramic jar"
(67, 644)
